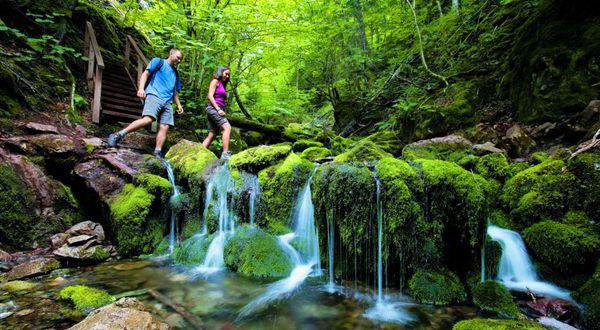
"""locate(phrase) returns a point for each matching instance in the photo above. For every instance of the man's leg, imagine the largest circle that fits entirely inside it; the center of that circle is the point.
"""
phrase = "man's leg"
(226, 129)
(151, 109)
(137, 124)
(209, 139)
(161, 136)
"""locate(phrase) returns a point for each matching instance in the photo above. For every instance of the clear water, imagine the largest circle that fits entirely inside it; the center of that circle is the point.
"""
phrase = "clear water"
(174, 198)
(516, 271)
(252, 186)
(305, 229)
(216, 300)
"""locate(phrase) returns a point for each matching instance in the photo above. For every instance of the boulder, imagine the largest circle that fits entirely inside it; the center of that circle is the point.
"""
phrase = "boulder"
(80, 240)
(518, 141)
(57, 240)
(487, 148)
(451, 147)
(551, 307)
(127, 313)
(80, 243)
(87, 228)
(32, 268)
(545, 130)
(456, 140)
(47, 144)
(84, 252)
(99, 178)
(37, 128)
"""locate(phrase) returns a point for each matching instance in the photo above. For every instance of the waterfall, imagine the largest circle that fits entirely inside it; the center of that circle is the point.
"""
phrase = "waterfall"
(384, 310)
(173, 199)
(222, 184)
(516, 270)
(330, 243)
(210, 187)
(306, 259)
(252, 186)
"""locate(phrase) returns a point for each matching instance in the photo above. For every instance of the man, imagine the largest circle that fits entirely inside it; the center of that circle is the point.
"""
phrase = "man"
(161, 90)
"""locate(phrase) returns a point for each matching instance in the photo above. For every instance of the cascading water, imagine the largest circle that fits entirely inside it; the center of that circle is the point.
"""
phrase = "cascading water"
(384, 310)
(221, 182)
(210, 187)
(516, 270)
(306, 259)
(173, 200)
(252, 187)
(330, 243)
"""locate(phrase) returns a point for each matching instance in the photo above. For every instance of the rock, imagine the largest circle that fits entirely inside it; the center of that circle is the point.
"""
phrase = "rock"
(24, 312)
(32, 268)
(486, 132)
(518, 141)
(132, 265)
(5, 256)
(41, 128)
(451, 147)
(79, 240)
(487, 147)
(87, 228)
(57, 240)
(7, 309)
(83, 252)
(47, 144)
(551, 307)
(544, 130)
(17, 286)
(127, 313)
(554, 324)
(99, 179)
(92, 144)
(446, 140)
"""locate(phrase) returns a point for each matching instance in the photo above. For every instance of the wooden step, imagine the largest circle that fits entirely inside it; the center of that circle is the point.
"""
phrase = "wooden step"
(120, 114)
(122, 108)
(119, 89)
(128, 103)
(118, 80)
(124, 86)
(120, 95)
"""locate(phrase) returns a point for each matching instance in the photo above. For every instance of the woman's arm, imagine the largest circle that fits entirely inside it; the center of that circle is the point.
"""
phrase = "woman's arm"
(211, 93)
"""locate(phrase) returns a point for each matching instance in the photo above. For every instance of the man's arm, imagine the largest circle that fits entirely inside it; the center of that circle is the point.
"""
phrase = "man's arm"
(179, 106)
(142, 83)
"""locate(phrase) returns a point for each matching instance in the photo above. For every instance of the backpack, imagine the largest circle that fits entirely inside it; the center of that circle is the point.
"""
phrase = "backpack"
(158, 67)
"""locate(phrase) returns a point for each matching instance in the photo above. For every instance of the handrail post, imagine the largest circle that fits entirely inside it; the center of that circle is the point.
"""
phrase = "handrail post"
(140, 68)
(127, 51)
(97, 96)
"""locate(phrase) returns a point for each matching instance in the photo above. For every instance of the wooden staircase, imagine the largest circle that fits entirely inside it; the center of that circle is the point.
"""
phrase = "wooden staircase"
(113, 84)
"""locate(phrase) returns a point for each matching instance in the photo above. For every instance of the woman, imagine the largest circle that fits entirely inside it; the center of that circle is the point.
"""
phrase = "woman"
(217, 102)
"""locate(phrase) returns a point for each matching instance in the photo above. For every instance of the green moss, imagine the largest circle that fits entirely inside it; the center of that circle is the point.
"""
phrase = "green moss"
(468, 162)
(454, 150)
(302, 145)
(340, 144)
(255, 253)
(493, 297)
(489, 324)
(517, 167)
(280, 185)
(586, 167)
(493, 166)
(136, 230)
(388, 141)
(255, 159)
(18, 286)
(566, 249)
(540, 192)
(436, 288)
(539, 157)
(154, 184)
(576, 218)
(589, 296)
(313, 153)
(99, 253)
(190, 159)
(192, 251)
(84, 297)
(363, 151)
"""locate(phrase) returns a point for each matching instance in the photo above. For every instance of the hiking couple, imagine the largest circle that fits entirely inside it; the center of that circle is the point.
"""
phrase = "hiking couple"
(162, 89)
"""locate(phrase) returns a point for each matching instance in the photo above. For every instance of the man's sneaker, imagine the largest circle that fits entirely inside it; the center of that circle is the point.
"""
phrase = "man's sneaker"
(114, 139)
(158, 154)
(226, 155)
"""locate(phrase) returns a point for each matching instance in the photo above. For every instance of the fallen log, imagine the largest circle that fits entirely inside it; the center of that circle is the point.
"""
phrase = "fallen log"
(273, 131)
(191, 318)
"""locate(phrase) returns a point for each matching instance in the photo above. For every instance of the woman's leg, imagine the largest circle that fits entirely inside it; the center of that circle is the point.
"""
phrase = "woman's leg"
(209, 139)
(226, 129)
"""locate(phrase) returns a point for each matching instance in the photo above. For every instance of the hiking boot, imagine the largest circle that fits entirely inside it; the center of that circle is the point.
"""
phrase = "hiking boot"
(114, 139)
(158, 154)
(226, 155)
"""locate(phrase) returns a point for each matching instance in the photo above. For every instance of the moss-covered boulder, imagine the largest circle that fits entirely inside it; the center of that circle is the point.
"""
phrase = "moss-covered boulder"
(540, 192)
(493, 297)
(452, 148)
(436, 288)
(280, 185)
(137, 230)
(388, 141)
(18, 286)
(589, 296)
(255, 159)
(363, 151)
(302, 145)
(190, 159)
(154, 184)
(493, 166)
(85, 298)
(314, 153)
(192, 251)
(253, 252)
(564, 248)
(586, 167)
(491, 324)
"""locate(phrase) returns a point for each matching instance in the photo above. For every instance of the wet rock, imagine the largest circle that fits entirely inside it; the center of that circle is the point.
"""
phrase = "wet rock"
(92, 144)
(47, 144)
(545, 130)
(100, 179)
(554, 324)
(32, 268)
(37, 128)
(132, 265)
(81, 243)
(487, 148)
(7, 309)
(24, 312)
(57, 240)
(87, 228)
(17, 286)
(518, 141)
(487, 132)
(551, 307)
(454, 140)
(79, 240)
(127, 313)
(5, 256)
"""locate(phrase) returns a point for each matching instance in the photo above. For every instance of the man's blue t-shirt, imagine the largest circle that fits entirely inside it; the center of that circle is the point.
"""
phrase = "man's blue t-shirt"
(162, 81)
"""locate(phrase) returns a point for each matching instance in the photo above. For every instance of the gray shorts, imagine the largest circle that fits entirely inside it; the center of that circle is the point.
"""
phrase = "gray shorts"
(215, 120)
(158, 109)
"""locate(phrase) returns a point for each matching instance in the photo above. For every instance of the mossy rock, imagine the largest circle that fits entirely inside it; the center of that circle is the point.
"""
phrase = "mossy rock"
(313, 153)
(363, 151)
(18, 286)
(436, 288)
(589, 296)
(517, 167)
(493, 166)
(255, 159)
(586, 167)
(192, 251)
(280, 185)
(190, 159)
(539, 157)
(490, 324)
(154, 184)
(85, 298)
(540, 192)
(493, 297)
(566, 249)
(136, 230)
(302, 145)
(254, 253)
(451, 148)
(339, 144)
(388, 141)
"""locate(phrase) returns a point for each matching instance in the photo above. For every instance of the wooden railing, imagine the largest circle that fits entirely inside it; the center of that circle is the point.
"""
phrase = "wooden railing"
(94, 70)
(139, 60)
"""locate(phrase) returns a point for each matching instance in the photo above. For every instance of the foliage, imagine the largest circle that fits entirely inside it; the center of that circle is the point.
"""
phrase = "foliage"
(493, 297)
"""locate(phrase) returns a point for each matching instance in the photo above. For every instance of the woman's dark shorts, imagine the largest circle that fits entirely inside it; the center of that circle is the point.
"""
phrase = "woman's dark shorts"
(215, 120)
